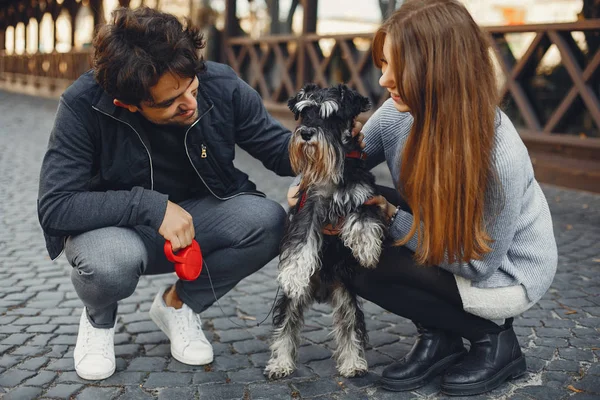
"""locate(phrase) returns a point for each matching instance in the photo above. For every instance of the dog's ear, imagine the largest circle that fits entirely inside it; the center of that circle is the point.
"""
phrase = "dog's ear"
(352, 103)
(302, 95)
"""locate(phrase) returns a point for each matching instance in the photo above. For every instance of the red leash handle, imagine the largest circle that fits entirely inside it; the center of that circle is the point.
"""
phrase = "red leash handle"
(188, 261)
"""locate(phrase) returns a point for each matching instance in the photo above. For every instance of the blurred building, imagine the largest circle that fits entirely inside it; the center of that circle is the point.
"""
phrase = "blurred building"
(255, 18)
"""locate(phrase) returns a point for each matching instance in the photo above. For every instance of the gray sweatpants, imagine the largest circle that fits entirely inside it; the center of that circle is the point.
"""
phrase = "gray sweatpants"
(237, 237)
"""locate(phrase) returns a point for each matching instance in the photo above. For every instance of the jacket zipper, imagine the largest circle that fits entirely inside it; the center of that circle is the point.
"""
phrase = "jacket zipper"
(204, 155)
(143, 144)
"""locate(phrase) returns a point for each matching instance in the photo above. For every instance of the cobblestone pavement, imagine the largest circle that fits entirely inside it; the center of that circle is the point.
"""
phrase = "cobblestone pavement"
(39, 310)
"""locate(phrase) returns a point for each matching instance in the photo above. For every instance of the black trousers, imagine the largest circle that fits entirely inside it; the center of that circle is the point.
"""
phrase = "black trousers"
(424, 294)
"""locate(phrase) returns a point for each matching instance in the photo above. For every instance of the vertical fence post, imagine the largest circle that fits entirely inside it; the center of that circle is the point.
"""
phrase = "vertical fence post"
(309, 25)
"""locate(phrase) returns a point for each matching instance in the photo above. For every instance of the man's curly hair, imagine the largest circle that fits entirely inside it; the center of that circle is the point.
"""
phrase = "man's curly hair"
(137, 47)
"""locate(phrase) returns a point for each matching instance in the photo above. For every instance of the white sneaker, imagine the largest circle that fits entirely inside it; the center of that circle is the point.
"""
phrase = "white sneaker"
(94, 353)
(184, 329)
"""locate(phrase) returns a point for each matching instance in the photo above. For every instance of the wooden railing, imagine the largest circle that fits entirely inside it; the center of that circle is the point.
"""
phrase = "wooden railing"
(277, 66)
(557, 112)
(43, 68)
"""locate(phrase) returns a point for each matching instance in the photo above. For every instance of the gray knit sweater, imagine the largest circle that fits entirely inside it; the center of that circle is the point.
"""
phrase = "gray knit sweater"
(516, 211)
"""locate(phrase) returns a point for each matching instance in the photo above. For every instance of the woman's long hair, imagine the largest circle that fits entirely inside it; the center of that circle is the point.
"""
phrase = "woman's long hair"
(444, 74)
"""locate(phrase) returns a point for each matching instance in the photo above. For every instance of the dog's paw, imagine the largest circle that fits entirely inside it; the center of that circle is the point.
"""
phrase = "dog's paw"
(352, 366)
(355, 368)
(364, 238)
(278, 368)
(366, 259)
(293, 283)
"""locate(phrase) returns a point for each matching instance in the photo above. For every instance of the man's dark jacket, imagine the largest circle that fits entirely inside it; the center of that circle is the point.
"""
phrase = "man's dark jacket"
(97, 171)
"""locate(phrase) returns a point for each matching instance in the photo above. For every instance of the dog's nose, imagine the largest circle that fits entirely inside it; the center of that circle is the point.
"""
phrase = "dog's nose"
(306, 135)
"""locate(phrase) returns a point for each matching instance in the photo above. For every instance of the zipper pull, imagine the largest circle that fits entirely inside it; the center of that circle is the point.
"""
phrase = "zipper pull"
(203, 155)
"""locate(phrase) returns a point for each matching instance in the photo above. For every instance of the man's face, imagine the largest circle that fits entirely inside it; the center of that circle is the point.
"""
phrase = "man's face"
(173, 101)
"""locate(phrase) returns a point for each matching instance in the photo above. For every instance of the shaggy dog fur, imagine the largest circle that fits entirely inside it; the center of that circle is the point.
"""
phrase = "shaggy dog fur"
(313, 267)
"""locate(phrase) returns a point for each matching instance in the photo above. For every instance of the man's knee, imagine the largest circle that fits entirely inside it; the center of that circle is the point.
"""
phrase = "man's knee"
(265, 222)
(108, 261)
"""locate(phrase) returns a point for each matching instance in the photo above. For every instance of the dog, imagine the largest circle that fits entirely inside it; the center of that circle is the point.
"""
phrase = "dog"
(314, 267)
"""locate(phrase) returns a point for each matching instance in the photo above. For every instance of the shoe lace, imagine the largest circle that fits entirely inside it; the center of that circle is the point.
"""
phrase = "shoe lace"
(190, 326)
(98, 341)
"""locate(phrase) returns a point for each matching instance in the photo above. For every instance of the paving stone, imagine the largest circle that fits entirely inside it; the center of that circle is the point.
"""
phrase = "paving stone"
(23, 393)
(97, 393)
(125, 350)
(312, 352)
(543, 352)
(140, 327)
(250, 346)
(324, 368)
(167, 379)
(33, 364)
(68, 340)
(62, 364)
(395, 350)
(176, 366)
(147, 364)
(320, 387)
(70, 377)
(57, 351)
(231, 362)
(135, 393)
(576, 354)
(594, 369)
(17, 339)
(161, 350)
(375, 358)
(8, 329)
(589, 383)
(234, 335)
(247, 375)
(7, 360)
(542, 392)
(63, 391)
(124, 378)
(31, 321)
(13, 377)
(361, 382)
(563, 365)
(42, 378)
(221, 392)
(177, 393)
(318, 336)
(270, 391)
(209, 376)
(151, 338)
(260, 359)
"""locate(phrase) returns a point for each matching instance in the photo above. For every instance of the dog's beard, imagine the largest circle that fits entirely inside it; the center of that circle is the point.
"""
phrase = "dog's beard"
(317, 161)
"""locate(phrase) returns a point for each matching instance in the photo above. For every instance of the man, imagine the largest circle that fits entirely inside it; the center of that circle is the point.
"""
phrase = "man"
(141, 152)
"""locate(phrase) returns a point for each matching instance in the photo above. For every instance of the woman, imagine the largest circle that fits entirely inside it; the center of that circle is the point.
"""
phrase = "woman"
(471, 227)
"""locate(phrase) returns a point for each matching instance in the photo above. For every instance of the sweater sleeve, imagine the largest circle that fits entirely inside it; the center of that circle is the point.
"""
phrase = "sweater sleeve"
(373, 141)
(503, 206)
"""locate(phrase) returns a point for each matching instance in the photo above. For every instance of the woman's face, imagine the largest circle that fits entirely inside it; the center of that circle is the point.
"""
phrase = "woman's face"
(388, 80)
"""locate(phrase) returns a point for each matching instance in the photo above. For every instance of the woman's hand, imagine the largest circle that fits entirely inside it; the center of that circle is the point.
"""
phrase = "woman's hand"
(388, 208)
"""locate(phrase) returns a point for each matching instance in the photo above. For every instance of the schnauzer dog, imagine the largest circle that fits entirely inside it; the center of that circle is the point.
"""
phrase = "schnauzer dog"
(315, 267)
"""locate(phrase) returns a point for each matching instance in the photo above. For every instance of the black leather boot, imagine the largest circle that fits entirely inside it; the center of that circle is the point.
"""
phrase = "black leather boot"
(432, 353)
(492, 360)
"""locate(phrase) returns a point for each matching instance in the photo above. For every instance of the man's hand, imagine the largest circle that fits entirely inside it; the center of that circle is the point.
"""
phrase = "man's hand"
(356, 132)
(177, 227)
